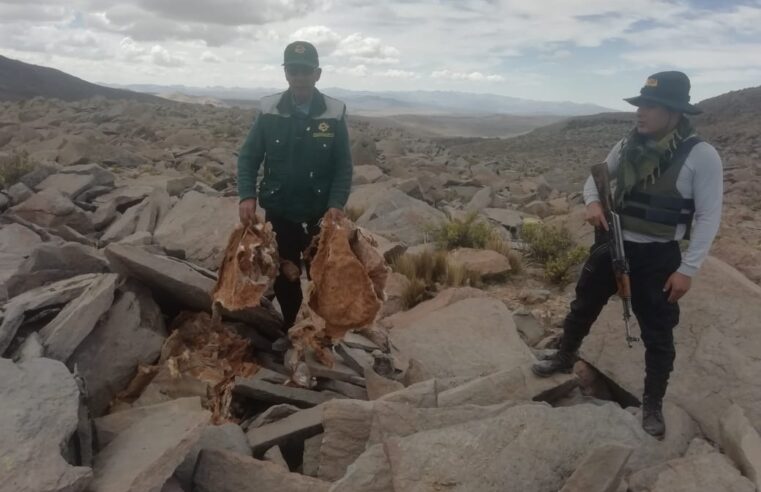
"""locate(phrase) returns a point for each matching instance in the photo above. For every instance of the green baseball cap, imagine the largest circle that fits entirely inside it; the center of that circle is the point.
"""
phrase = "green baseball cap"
(301, 53)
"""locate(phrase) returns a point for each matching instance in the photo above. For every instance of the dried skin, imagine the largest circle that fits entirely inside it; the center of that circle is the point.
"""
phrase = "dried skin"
(248, 269)
(199, 359)
(343, 293)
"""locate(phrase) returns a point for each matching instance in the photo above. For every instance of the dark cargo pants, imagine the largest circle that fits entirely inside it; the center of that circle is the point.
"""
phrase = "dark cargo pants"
(292, 240)
(651, 264)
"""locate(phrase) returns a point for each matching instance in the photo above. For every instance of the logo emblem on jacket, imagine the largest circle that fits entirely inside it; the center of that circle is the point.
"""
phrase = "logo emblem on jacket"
(323, 127)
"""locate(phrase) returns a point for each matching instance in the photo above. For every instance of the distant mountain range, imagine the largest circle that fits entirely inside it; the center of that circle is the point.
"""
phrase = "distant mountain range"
(383, 103)
(19, 80)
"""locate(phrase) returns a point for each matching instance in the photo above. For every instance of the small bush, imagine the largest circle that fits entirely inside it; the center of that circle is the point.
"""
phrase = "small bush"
(427, 271)
(466, 233)
(557, 269)
(554, 248)
(13, 168)
(545, 242)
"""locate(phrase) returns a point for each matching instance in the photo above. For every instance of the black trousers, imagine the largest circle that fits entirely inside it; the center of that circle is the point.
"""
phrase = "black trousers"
(292, 240)
(650, 264)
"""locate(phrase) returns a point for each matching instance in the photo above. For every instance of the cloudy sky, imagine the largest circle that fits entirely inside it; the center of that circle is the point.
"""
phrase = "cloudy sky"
(579, 50)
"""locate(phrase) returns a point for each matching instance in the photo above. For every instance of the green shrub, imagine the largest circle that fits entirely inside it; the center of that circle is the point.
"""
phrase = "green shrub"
(545, 242)
(557, 269)
(13, 168)
(554, 248)
(462, 233)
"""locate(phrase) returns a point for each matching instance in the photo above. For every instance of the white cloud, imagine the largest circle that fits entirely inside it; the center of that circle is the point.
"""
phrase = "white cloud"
(209, 57)
(354, 71)
(325, 39)
(470, 76)
(393, 73)
(161, 56)
(367, 50)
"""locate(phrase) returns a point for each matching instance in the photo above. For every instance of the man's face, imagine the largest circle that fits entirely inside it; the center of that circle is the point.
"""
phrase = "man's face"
(301, 78)
(654, 120)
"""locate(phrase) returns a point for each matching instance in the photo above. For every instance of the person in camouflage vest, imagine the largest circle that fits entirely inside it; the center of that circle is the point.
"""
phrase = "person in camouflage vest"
(668, 188)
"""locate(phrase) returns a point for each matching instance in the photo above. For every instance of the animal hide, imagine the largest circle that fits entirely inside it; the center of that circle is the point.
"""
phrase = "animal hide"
(348, 278)
(248, 269)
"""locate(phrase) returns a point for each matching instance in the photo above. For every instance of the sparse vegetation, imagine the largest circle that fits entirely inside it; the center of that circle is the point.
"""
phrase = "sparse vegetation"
(427, 272)
(554, 248)
(465, 233)
(558, 269)
(13, 168)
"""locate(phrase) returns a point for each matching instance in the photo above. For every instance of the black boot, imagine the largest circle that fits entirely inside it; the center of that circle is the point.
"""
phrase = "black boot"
(561, 361)
(652, 417)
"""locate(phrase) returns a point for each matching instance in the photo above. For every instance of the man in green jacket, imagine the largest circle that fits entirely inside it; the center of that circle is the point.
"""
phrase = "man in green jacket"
(302, 139)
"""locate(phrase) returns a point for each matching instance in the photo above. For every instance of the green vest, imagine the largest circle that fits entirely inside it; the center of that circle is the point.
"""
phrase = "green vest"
(657, 208)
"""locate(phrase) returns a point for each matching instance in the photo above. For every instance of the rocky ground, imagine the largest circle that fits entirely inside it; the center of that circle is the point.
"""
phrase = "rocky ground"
(115, 216)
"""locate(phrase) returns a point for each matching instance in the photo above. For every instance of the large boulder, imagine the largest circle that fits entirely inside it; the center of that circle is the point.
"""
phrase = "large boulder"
(365, 174)
(131, 333)
(198, 226)
(526, 447)
(472, 337)
(40, 414)
(226, 437)
(717, 348)
(399, 217)
(70, 185)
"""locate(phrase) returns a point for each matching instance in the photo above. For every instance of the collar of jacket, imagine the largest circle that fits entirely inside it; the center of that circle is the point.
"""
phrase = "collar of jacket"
(285, 106)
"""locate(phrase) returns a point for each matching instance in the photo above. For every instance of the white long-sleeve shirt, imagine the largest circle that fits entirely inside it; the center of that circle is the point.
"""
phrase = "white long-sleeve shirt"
(700, 179)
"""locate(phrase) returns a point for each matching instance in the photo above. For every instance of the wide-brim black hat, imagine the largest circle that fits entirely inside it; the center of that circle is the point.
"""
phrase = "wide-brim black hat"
(668, 89)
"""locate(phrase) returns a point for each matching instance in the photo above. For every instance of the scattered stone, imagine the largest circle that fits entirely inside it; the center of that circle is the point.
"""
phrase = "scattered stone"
(539, 208)
(347, 426)
(31, 348)
(125, 224)
(443, 299)
(131, 333)
(144, 456)
(298, 426)
(480, 200)
(70, 327)
(50, 208)
(346, 389)
(378, 386)
(311, 461)
(741, 442)
(528, 326)
(488, 264)
(220, 471)
(199, 226)
(40, 414)
(365, 174)
(19, 192)
(512, 220)
(227, 437)
(489, 344)
(273, 393)
(18, 309)
(273, 414)
(601, 470)
(399, 217)
(274, 455)
(70, 185)
(512, 384)
(535, 296)
(109, 426)
(419, 395)
(706, 472)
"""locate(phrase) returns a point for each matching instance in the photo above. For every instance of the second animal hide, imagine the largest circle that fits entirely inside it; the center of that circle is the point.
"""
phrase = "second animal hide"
(348, 278)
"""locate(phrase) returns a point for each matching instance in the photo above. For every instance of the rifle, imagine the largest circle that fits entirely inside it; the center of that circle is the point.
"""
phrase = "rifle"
(615, 239)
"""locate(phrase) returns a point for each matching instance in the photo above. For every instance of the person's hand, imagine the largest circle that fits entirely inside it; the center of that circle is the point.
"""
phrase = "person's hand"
(677, 286)
(596, 215)
(335, 214)
(247, 211)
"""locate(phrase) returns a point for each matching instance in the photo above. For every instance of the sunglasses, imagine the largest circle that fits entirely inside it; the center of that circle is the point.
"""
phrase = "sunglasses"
(297, 70)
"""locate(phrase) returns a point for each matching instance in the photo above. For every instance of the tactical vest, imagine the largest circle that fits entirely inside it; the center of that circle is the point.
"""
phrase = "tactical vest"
(656, 209)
